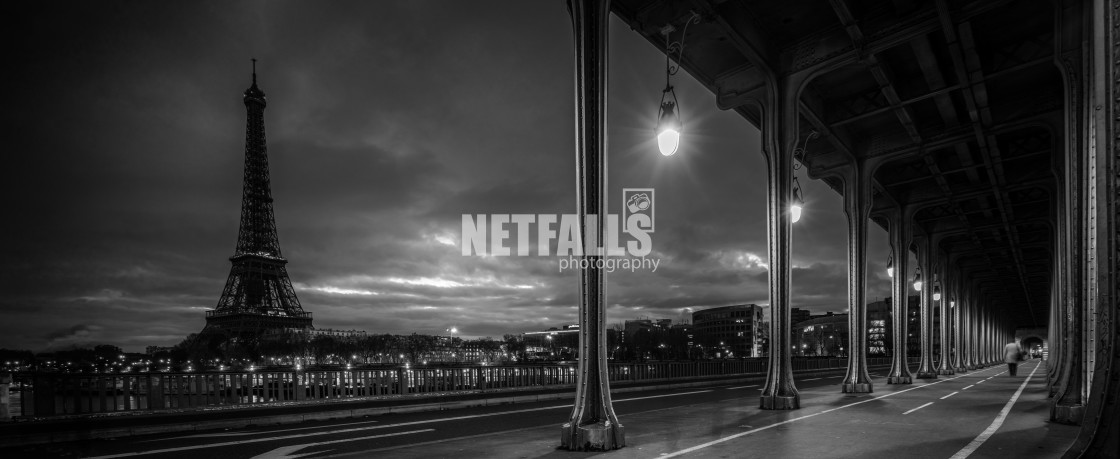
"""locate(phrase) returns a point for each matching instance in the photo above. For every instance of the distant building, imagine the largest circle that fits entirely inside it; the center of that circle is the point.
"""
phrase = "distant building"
(632, 327)
(823, 335)
(687, 331)
(736, 328)
(764, 339)
(552, 344)
(828, 334)
(914, 327)
(878, 328)
(797, 315)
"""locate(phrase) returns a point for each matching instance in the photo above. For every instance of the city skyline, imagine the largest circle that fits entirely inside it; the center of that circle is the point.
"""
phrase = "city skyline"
(385, 124)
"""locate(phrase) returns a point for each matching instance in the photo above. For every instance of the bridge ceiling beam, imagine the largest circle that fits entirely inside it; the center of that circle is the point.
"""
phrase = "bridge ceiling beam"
(966, 63)
(955, 108)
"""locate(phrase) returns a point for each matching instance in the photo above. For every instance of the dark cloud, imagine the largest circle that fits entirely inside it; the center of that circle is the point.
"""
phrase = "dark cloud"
(386, 122)
(74, 336)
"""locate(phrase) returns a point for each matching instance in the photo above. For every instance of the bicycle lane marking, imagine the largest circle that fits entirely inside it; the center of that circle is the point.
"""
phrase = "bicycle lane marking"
(991, 430)
(788, 421)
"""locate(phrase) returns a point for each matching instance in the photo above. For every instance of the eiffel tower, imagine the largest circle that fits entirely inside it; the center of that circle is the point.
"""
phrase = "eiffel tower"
(258, 295)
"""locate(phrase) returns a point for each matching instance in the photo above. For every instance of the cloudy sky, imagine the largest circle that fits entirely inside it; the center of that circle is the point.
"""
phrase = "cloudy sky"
(386, 122)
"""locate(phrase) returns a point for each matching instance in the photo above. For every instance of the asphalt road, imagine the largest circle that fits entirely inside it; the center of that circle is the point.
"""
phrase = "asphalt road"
(935, 419)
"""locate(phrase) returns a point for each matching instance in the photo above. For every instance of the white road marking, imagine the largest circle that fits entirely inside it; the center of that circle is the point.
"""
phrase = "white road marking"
(966, 387)
(950, 395)
(814, 379)
(776, 424)
(651, 396)
(285, 451)
(987, 433)
(366, 453)
(384, 426)
(259, 432)
(918, 408)
(743, 387)
(257, 440)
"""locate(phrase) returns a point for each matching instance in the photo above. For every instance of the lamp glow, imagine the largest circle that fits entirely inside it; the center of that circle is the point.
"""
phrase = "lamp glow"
(890, 265)
(936, 293)
(918, 285)
(918, 279)
(668, 127)
(798, 202)
(668, 141)
(890, 271)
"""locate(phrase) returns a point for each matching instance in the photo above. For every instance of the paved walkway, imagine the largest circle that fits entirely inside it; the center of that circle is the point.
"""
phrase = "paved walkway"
(983, 413)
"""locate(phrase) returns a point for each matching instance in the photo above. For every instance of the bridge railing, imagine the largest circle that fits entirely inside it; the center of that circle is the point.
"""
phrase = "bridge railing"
(54, 394)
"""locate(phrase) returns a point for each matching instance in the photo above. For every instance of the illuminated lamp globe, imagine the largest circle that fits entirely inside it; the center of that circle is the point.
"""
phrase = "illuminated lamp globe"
(797, 203)
(668, 129)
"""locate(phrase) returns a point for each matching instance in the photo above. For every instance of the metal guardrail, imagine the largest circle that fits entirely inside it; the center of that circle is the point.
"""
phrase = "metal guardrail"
(53, 394)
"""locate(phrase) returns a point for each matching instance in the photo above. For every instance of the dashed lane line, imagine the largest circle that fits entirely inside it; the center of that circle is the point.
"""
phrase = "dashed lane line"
(918, 408)
(788, 421)
(950, 395)
(353, 454)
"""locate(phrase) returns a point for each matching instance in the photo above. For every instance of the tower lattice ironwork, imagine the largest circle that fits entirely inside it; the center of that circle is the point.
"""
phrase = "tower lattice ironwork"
(258, 295)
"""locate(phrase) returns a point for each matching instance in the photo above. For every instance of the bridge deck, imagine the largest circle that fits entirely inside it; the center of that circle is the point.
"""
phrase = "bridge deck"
(935, 420)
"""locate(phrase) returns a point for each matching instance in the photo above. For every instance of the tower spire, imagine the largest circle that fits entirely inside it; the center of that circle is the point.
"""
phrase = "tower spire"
(254, 71)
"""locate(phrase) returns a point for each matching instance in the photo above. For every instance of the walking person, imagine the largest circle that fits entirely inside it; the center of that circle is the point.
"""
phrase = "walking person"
(1012, 354)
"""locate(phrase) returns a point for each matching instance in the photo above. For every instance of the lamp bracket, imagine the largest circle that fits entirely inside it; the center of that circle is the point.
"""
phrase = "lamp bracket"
(799, 152)
(676, 47)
